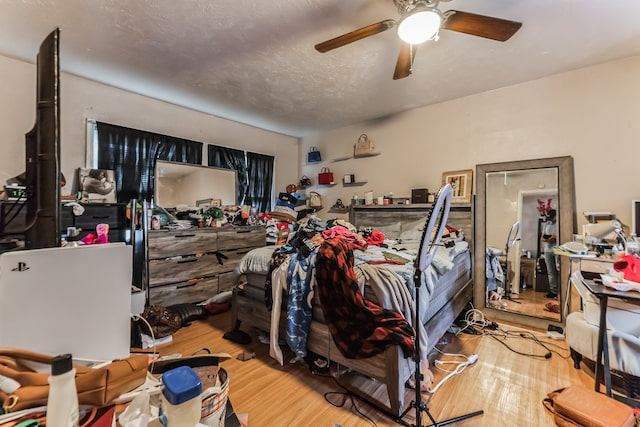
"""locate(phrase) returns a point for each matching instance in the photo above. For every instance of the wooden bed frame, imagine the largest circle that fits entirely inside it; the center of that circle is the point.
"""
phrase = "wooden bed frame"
(391, 367)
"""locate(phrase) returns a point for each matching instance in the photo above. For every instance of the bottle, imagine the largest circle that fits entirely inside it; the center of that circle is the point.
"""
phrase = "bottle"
(181, 398)
(62, 403)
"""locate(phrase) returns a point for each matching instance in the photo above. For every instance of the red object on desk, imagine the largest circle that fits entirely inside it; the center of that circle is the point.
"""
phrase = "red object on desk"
(104, 417)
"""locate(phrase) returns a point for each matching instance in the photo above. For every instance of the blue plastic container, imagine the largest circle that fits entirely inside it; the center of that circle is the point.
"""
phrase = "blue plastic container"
(181, 384)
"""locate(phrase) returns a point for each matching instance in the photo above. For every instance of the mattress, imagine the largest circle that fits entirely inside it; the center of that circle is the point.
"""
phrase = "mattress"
(445, 287)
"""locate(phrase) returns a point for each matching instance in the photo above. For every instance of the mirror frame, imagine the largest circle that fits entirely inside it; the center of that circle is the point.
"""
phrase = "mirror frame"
(566, 229)
(189, 168)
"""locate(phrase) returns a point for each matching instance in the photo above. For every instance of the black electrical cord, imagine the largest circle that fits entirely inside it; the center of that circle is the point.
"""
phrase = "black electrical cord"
(530, 336)
(507, 334)
(346, 395)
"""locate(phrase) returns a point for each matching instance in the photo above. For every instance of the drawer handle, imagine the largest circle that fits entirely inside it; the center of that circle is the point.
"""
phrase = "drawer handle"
(187, 285)
(179, 236)
(100, 217)
(220, 257)
(183, 261)
(243, 231)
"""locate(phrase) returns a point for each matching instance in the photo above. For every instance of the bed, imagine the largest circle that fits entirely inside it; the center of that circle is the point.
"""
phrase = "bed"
(446, 291)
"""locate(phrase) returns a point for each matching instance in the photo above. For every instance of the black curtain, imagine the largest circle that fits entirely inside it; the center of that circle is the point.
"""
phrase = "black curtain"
(132, 155)
(180, 150)
(230, 158)
(260, 177)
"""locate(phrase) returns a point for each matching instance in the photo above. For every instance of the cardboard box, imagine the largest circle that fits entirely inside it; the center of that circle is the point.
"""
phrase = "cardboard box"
(419, 195)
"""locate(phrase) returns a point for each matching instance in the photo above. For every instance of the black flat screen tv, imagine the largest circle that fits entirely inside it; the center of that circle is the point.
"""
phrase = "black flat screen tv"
(42, 145)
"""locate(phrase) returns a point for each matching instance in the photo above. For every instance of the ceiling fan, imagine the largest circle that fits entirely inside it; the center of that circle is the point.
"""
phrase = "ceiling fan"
(421, 20)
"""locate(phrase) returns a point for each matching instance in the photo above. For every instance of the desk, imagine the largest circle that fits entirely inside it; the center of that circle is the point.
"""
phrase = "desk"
(603, 293)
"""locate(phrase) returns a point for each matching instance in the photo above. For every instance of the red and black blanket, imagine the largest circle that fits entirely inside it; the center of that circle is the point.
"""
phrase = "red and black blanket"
(359, 327)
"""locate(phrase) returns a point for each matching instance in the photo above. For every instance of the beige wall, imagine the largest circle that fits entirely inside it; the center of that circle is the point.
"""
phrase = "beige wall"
(81, 99)
(590, 114)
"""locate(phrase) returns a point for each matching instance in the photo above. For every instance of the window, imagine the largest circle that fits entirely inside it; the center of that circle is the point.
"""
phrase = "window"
(255, 174)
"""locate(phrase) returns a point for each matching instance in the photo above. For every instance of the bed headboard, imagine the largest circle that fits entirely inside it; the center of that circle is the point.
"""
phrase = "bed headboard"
(395, 218)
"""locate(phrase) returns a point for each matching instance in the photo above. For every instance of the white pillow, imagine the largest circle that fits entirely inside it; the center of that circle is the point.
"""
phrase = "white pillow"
(412, 231)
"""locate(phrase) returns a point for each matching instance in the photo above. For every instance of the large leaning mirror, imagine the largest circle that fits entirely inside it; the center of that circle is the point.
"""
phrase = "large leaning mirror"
(189, 185)
(523, 209)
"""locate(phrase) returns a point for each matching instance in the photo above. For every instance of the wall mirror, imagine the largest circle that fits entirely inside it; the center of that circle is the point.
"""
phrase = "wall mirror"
(514, 203)
(189, 185)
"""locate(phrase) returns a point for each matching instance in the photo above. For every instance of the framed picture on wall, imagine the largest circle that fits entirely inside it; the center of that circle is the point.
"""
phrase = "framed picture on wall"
(461, 181)
(97, 185)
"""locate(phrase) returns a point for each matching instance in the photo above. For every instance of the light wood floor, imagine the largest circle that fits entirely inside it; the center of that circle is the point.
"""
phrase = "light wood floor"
(508, 387)
(532, 303)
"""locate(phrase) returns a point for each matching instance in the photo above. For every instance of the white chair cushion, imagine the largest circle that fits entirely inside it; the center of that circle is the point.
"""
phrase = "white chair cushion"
(624, 348)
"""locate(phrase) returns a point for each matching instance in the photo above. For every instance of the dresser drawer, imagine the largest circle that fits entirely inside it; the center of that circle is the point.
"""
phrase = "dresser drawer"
(229, 259)
(171, 270)
(596, 266)
(192, 291)
(241, 237)
(113, 215)
(164, 244)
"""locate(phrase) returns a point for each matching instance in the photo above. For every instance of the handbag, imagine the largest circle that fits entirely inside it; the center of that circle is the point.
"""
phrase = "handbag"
(305, 181)
(325, 176)
(315, 200)
(163, 321)
(313, 156)
(578, 406)
(95, 386)
(363, 146)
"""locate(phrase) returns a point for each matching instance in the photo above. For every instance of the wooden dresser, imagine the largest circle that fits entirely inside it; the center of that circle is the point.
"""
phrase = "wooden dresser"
(195, 264)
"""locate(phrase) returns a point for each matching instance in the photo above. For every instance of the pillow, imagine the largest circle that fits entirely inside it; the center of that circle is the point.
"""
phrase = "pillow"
(413, 225)
(411, 232)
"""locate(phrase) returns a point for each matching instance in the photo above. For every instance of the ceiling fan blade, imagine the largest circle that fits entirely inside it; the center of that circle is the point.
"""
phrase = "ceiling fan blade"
(405, 60)
(353, 36)
(480, 25)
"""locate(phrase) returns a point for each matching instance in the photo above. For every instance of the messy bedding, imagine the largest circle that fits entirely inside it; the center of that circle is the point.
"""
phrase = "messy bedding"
(362, 281)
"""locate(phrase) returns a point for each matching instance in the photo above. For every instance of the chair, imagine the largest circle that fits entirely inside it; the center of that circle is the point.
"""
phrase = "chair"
(623, 334)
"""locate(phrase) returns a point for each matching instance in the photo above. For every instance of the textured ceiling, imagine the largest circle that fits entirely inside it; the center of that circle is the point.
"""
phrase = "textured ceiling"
(254, 61)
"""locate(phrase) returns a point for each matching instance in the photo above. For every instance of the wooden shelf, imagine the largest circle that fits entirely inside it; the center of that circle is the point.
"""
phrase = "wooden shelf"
(354, 184)
(338, 210)
(341, 159)
(366, 155)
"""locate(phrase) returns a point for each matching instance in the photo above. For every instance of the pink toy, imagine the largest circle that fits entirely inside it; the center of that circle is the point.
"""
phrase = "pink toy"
(103, 233)
(91, 239)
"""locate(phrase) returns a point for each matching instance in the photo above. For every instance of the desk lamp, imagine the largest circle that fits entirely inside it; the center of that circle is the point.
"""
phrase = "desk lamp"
(601, 230)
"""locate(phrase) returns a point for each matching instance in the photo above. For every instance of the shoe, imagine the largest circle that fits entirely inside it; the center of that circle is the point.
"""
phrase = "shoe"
(551, 295)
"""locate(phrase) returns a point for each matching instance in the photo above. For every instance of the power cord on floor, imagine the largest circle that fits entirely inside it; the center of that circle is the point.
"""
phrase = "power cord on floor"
(459, 367)
(476, 323)
(135, 318)
(346, 395)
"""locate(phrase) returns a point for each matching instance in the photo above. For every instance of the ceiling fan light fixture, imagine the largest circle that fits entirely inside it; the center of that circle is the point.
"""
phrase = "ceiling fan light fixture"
(422, 24)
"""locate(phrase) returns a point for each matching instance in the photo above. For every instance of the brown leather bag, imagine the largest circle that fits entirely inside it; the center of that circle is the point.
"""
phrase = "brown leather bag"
(578, 406)
(95, 386)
